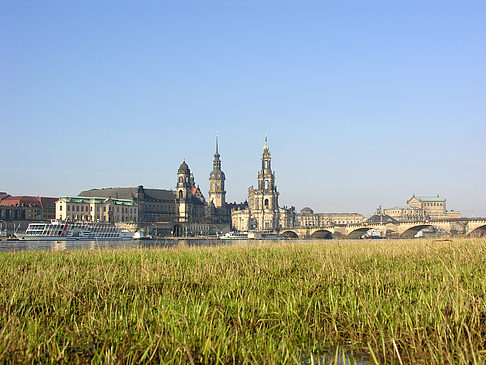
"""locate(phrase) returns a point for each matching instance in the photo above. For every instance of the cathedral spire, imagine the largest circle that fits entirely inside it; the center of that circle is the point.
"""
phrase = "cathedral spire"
(216, 179)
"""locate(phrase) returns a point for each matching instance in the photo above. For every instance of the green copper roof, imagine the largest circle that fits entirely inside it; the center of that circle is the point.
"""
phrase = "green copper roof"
(429, 198)
(403, 207)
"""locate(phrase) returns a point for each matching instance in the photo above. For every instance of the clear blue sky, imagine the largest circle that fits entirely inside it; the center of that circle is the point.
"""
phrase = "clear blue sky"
(364, 102)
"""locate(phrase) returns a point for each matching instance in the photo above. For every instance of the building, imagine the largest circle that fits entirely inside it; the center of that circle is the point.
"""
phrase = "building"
(307, 218)
(380, 217)
(154, 205)
(96, 209)
(217, 194)
(27, 207)
(190, 203)
(193, 214)
(422, 208)
(183, 210)
(263, 212)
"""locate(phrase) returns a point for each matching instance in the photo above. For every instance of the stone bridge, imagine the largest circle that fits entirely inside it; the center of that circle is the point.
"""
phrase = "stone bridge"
(466, 227)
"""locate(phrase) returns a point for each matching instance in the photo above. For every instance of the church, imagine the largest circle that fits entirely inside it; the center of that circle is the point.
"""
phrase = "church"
(263, 212)
(193, 213)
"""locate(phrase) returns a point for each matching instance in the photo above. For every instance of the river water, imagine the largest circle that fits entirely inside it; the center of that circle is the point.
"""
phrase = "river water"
(125, 244)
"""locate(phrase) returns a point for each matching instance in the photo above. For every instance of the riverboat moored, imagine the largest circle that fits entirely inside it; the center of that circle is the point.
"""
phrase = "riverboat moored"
(58, 230)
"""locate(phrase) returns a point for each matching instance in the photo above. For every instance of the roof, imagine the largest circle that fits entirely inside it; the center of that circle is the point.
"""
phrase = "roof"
(160, 194)
(377, 218)
(21, 200)
(98, 200)
(130, 193)
(403, 207)
(37, 201)
(425, 198)
(183, 169)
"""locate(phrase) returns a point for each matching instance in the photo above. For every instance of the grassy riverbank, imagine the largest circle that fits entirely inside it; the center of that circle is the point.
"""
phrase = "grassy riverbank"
(416, 301)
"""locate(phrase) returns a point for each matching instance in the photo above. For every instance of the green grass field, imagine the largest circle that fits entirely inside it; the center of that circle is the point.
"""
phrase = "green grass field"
(404, 301)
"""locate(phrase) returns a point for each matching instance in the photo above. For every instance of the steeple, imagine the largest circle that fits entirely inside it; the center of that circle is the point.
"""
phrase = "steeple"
(216, 181)
(216, 161)
(265, 148)
(266, 158)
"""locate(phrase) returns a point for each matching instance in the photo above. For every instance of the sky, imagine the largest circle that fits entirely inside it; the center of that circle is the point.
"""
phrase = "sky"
(364, 103)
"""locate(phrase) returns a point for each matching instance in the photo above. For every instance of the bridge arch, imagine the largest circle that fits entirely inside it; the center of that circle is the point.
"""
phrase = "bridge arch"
(412, 231)
(322, 234)
(478, 232)
(289, 234)
(357, 233)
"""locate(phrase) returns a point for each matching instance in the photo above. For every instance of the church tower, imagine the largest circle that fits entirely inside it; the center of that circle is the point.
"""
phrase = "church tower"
(266, 182)
(183, 191)
(263, 201)
(217, 193)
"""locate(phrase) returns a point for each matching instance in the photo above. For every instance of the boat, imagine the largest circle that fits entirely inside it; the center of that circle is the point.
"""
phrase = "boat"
(58, 230)
(234, 236)
(264, 235)
(373, 234)
(251, 235)
(140, 235)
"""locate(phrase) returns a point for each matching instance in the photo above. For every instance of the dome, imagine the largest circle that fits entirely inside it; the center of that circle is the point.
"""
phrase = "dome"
(306, 210)
(183, 169)
(216, 175)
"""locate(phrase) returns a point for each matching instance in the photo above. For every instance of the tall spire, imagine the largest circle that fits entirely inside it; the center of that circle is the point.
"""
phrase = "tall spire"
(265, 148)
(216, 161)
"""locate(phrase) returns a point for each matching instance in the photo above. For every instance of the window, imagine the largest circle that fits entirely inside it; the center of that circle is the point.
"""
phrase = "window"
(60, 208)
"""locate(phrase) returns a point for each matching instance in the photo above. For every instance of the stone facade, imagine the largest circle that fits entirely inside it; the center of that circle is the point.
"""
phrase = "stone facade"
(96, 209)
(217, 194)
(422, 208)
(307, 218)
(263, 212)
(154, 205)
(190, 203)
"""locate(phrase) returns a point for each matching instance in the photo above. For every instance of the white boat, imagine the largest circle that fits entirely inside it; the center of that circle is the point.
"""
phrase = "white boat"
(373, 234)
(234, 236)
(140, 235)
(251, 235)
(71, 231)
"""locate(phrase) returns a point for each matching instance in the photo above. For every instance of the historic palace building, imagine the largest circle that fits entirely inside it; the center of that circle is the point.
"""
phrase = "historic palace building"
(263, 212)
(422, 208)
(183, 211)
(96, 209)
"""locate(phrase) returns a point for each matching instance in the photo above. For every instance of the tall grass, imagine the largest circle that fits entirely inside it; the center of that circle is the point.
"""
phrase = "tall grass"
(409, 301)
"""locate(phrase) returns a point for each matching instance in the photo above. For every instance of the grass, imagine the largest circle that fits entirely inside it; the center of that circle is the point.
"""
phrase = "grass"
(392, 302)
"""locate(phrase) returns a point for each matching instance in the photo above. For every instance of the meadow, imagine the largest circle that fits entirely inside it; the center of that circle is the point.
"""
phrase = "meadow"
(384, 302)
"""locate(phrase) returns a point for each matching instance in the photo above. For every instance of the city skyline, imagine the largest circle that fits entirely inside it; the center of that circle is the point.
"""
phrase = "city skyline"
(363, 104)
